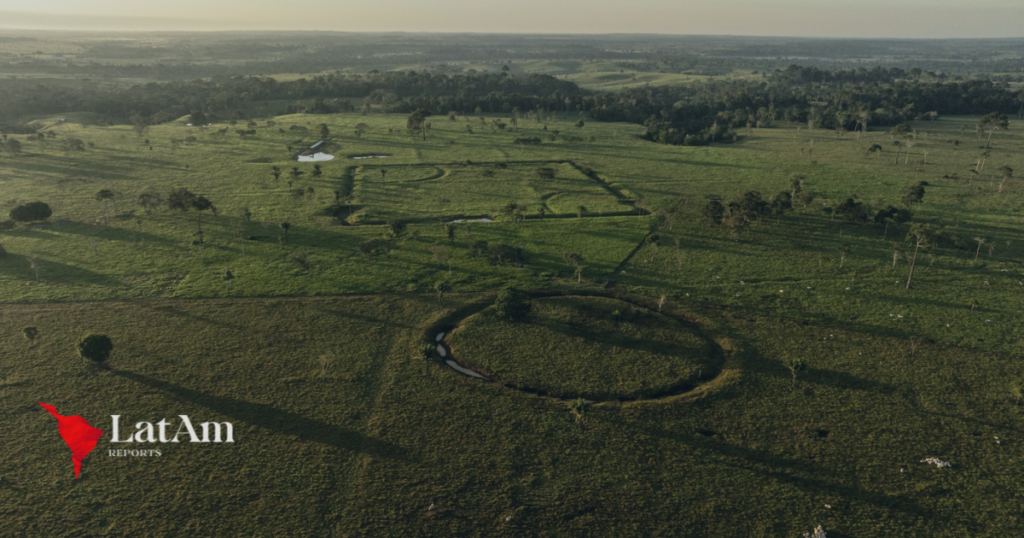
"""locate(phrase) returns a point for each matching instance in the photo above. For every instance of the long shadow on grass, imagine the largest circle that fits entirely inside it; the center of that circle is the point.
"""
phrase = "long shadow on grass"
(171, 310)
(52, 271)
(277, 420)
(800, 473)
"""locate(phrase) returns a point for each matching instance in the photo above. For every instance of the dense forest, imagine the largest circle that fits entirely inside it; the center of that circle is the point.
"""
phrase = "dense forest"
(695, 114)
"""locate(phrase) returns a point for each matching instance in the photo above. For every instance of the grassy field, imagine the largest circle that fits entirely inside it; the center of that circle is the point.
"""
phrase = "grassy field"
(367, 444)
(892, 376)
(586, 347)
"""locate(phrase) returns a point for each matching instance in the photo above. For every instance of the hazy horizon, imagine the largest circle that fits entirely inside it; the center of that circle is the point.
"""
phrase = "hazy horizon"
(909, 19)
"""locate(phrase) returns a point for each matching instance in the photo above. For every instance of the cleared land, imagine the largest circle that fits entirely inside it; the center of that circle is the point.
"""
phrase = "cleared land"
(587, 347)
(369, 441)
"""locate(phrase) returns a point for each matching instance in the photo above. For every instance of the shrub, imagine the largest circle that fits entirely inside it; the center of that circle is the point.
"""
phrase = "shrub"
(31, 333)
(31, 212)
(513, 305)
(397, 227)
(95, 347)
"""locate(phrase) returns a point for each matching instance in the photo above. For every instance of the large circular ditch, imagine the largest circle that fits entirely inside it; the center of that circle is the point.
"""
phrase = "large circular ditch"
(591, 347)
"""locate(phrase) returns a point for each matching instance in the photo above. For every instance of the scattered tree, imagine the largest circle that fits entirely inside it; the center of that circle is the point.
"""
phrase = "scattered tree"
(443, 256)
(795, 365)
(920, 234)
(576, 260)
(578, 408)
(993, 122)
(397, 227)
(31, 212)
(95, 347)
(714, 211)
(512, 304)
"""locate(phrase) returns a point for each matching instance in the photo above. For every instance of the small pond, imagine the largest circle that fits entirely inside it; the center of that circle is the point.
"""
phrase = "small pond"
(316, 157)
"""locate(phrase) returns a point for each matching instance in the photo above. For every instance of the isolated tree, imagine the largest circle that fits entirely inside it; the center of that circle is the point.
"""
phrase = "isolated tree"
(895, 249)
(317, 171)
(95, 347)
(919, 234)
(13, 146)
(397, 227)
(322, 131)
(795, 365)
(578, 408)
(714, 211)
(993, 122)
(276, 171)
(285, 226)
(512, 304)
(104, 195)
(30, 333)
(441, 287)
(36, 265)
(295, 172)
(200, 204)
(914, 195)
(980, 241)
(876, 149)
(443, 256)
(1007, 174)
(576, 260)
(149, 200)
(197, 118)
(229, 279)
(580, 211)
(1017, 390)
(31, 212)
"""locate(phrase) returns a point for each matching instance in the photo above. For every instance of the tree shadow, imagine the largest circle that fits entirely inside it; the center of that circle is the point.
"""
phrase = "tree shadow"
(278, 421)
(800, 473)
(51, 271)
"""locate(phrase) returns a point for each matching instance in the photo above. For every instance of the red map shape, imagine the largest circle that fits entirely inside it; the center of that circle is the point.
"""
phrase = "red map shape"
(80, 437)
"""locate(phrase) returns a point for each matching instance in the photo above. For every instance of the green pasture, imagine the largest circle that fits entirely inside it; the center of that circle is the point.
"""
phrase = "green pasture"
(888, 376)
(343, 429)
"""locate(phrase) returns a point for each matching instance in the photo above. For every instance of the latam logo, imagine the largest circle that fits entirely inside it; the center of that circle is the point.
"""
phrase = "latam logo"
(82, 438)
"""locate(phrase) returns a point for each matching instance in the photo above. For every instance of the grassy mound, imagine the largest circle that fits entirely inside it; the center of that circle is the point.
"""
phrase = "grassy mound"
(585, 346)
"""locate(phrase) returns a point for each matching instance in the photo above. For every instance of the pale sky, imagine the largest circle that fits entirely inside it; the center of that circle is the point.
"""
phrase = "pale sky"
(813, 18)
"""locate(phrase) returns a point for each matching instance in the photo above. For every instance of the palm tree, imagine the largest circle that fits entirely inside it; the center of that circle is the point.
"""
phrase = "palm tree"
(919, 233)
(1007, 174)
(794, 365)
(843, 252)
(980, 241)
(576, 260)
(201, 204)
